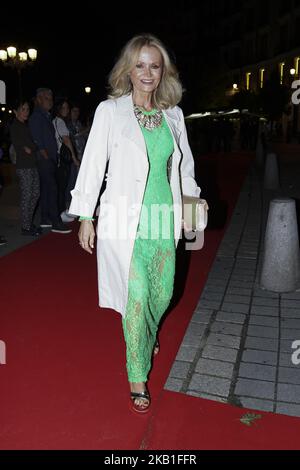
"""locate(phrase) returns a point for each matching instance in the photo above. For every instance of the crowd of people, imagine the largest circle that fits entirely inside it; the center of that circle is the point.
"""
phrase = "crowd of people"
(44, 177)
(223, 134)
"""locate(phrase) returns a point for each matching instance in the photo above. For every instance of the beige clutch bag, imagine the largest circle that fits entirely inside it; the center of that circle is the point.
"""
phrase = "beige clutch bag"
(194, 213)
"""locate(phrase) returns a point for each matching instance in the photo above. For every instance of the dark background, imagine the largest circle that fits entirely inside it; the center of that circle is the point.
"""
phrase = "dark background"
(78, 45)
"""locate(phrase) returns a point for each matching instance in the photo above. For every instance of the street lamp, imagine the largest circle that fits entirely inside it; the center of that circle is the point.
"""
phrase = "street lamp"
(18, 60)
(87, 89)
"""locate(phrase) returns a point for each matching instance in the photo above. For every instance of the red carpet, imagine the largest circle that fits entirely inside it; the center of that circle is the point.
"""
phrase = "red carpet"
(64, 385)
(183, 422)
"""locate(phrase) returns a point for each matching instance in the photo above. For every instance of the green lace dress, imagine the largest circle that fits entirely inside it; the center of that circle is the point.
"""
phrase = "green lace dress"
(152, 267)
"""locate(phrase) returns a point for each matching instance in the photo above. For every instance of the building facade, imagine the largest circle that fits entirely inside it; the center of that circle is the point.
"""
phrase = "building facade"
(252, 39)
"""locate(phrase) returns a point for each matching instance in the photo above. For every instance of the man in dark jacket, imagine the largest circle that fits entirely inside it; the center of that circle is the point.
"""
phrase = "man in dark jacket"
(43, 134)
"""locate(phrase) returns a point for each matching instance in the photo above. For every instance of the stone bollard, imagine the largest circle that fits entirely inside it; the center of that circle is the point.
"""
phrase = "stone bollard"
(271, 177)
(281, 265)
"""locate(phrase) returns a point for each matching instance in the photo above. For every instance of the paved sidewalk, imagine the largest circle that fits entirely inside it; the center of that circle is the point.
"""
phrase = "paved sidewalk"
(237, 348)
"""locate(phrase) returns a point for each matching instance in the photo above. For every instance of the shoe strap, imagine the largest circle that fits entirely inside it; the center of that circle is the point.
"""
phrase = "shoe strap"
(135, 395)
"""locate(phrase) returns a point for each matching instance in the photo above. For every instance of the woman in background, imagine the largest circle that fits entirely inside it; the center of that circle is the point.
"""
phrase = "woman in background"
(62, 134)
(26, 164)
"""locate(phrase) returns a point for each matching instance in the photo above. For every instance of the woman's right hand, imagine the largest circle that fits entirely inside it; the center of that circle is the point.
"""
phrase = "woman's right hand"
(86, 235)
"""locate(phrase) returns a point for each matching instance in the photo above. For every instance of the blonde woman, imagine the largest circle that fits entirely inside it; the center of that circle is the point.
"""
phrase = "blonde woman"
(140, 133)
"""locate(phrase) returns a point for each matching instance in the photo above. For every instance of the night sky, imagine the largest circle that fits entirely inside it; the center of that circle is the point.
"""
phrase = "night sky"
(77, 46)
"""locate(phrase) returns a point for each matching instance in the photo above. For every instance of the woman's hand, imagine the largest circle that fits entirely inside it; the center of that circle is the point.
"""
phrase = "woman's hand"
(186, 228)
(44, 154)
(27, 150)
(86, 235)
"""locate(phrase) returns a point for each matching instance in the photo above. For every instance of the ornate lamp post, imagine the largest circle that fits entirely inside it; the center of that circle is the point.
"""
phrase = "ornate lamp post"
(18, 60)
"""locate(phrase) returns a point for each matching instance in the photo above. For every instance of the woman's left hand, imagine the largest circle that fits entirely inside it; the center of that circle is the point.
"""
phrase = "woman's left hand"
(185, 227)
(86, 235)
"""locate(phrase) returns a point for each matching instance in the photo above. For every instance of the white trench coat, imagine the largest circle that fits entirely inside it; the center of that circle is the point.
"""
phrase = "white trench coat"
(116, 138)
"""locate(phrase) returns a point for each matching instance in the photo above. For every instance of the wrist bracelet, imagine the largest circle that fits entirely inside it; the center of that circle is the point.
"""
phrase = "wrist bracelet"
(86, 218)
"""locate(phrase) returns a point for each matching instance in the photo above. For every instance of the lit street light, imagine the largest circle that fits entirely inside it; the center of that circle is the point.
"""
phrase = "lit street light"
(18, 60)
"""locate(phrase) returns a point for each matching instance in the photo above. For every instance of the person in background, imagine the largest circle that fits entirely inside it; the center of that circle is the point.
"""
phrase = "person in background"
(12, 154)
(26, 165)
(62, 135)
(43, 134)
(78, 132)
(78, 135)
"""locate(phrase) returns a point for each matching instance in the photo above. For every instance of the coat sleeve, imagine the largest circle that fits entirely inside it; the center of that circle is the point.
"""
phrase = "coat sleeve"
(16, 138)
(93, 164)
(187, 172)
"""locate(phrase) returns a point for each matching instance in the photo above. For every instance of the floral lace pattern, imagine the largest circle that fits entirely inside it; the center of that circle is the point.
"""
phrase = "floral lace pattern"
(152, 268)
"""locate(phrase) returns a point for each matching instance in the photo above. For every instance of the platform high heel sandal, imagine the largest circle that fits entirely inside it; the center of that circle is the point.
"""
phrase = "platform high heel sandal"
(144, 406)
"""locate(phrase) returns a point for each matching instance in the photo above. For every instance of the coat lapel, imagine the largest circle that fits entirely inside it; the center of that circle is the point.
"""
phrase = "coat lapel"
(173, 123)
(131, 129)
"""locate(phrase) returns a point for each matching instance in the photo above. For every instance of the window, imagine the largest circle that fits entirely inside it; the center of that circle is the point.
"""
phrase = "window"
(261, 77)
(281, 72)
(297, 66)
(248, 80)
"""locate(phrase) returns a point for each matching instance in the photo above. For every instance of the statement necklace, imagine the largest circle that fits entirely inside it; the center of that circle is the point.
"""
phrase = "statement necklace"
(148, 121)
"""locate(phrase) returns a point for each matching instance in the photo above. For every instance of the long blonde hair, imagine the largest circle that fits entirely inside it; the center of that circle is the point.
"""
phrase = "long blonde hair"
(169, 91)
